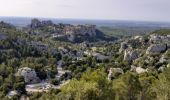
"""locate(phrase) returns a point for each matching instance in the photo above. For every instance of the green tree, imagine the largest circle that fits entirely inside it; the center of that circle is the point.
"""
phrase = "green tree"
(127, 87)
(161, 86)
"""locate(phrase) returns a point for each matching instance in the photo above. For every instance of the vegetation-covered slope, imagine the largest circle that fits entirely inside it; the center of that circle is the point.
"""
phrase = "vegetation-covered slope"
(162, 32)
(134, 68)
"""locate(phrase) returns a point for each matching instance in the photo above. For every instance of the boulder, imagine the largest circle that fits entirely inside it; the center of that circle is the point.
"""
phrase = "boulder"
(140, 70)
(156, 48)
(29, 75)
(113, 71)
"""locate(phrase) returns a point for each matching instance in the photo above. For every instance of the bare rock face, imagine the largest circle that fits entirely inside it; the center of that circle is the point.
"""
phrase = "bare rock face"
(156, 48)
(89, 30)
(130, 55)
(114, 70)
(29, 75)
(123, 47)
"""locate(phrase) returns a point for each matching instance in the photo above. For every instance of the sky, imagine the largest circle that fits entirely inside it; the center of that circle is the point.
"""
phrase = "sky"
(139, 10)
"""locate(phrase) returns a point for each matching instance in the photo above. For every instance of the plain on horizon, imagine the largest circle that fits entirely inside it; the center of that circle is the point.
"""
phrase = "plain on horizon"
(141, 10)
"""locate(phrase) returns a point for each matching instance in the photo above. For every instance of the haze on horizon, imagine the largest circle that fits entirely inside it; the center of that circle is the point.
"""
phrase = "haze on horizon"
(140, 10)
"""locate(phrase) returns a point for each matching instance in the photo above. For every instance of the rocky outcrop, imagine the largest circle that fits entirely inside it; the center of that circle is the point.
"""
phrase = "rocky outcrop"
(88, 30)
(130, 55)
(123, 47)
(66, 29)
(29, 75)
(66, 32)
(113, 71)
(35, 23)
(159, 38)
(74, 33)
(156, 48)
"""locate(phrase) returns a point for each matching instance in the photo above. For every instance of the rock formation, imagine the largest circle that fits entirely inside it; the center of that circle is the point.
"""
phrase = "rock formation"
(35, 23)
(62, 31)
(29, 75)
(130, 55)
(123, 47)
(159, 38)
(113, 71)
(156, 48)
(88, 30)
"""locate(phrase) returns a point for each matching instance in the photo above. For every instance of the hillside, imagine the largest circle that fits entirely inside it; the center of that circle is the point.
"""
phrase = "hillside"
(126, 31)
(162, 32)
(66, 32)
(34, 65)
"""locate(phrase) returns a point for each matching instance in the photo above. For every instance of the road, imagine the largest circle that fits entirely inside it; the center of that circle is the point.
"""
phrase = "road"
(31, 88)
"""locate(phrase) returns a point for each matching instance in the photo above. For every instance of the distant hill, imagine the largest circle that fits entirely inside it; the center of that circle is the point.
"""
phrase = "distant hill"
(66, 32)
(127, 31)
(23, 21)
(162, 32)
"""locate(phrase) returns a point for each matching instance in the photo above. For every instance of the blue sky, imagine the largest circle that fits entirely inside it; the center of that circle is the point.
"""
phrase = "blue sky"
(142, 10)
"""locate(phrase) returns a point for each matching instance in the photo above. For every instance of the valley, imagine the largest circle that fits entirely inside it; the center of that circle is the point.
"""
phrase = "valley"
(46, 60)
